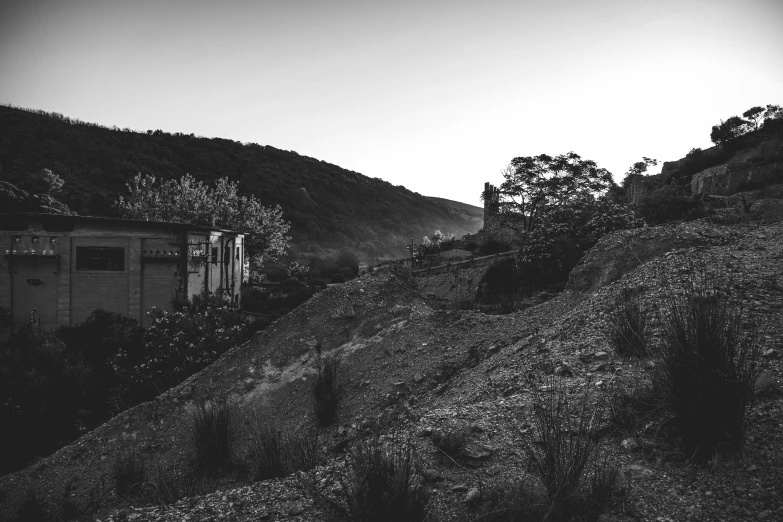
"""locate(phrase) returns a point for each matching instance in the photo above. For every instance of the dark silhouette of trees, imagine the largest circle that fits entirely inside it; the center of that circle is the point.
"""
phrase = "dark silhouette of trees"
(534, 185)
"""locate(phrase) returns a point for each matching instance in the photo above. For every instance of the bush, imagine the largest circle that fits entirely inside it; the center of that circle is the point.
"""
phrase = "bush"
(212, 434)
(338, 278)
(129, 475)
(450, 441)
(381, 482)
(628, 324)
(326, 388)
(499, 285)
(567, 430)
(493, 246)
(277, 454)
(707, 365)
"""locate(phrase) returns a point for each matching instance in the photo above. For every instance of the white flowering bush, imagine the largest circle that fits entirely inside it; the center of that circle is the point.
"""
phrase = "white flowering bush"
(180, 343)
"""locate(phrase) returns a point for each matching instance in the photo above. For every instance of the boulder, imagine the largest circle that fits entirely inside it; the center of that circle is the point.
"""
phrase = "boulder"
(767, 210)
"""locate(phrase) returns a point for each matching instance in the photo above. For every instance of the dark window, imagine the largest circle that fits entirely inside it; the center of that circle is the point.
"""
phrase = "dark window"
(214, 255)
(237, 253)
(100, 258)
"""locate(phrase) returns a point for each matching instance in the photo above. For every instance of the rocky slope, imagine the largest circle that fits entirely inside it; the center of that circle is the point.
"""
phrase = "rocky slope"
(422, 369)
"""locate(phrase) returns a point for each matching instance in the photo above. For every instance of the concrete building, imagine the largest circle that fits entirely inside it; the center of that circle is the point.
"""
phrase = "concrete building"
(56, 270)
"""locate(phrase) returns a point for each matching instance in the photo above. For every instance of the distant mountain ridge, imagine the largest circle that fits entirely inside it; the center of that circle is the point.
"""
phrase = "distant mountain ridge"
(329, 207)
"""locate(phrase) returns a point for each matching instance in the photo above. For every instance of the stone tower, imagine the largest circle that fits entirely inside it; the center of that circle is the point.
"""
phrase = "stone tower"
(491, 206)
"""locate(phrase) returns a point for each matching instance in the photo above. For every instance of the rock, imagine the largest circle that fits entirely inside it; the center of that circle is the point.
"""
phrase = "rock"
(630, 444)
(473, 450)
(564, 371)
(494, 470)
(764, 514)
(599, 368)
(765, 385)
(771, 353)
(298, 509)
(601, 355)
(472, 496)
(636, 470)
(767, 210)
(417, 377)
(460, 488)
(752, 468)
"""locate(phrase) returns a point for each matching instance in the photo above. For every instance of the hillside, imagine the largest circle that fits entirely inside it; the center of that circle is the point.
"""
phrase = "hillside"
(409, 365)
(328, 207)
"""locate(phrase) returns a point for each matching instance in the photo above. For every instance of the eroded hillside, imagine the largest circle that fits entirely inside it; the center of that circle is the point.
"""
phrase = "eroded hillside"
(421, 370)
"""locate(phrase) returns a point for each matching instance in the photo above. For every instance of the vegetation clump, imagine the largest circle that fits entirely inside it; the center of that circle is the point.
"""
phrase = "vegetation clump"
(326, 388)
(129, 475)
(628, 324)
(212, 436)
(707, 365)
(382, 482)
(275, 453)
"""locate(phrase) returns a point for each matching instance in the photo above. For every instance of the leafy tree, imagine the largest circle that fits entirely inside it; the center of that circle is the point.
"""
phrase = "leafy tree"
(535, 185)
(44, 182)
(773, 112)
(438, 243)
(755, 116)
(728, 130)
(189, 201)
(638, 169)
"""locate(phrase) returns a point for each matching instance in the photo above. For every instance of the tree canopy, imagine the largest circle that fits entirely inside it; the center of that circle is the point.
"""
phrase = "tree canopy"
(186, 200)
(534, 185)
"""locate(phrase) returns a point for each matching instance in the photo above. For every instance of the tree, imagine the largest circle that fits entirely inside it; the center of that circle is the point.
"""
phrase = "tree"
(755, 116)
(773, 112)
(728, 130)
(535, 185)
(189, 201)
(638, 169)
(43, 182)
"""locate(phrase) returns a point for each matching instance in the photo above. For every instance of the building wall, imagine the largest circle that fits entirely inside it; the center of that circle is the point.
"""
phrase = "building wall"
(152, 275)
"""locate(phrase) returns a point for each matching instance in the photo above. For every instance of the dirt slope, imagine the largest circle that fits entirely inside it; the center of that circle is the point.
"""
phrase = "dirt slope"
(424, 369)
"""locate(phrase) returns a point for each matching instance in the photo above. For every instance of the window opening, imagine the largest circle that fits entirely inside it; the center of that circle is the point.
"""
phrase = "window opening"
(214, 255)
(100, 258)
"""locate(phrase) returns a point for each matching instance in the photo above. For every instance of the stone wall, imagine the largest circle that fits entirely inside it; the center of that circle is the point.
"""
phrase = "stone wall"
(725, 180)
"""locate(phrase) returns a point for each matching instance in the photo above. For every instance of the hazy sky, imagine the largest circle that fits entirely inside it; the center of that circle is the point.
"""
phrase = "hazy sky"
(436, 96)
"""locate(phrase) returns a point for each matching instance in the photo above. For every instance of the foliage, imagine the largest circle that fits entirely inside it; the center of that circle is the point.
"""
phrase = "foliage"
(382, 482)
(565, 233)
(212, 435)
(536, 185)
(179, 344)
(638, 169)
(566, 428)
(44, 181)
(327, 390)
(499, 284)
(187, 200)
(275, 453)
(338, 208)
(735, 126)
(707, 364)
(628, 324)
(450, 440)
(493, 246)
(438, 243)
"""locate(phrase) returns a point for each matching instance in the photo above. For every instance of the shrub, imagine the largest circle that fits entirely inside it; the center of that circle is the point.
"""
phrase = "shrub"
(499, 285)
(168, 485)
(567, 430)
(707, 365)
(338, 278)
(628, 324)
(381, 482)
(213, 436)
(450, 441)
(277, 454)
(326, 388)
(493, 246)
(129, 475)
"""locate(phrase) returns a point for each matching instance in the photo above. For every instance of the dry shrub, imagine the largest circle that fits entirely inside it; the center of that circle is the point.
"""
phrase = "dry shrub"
(212, 434)
(628, 324)
(275, 453)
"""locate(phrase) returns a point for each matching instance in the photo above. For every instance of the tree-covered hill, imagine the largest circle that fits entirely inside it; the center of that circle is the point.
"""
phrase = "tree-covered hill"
(328, 207)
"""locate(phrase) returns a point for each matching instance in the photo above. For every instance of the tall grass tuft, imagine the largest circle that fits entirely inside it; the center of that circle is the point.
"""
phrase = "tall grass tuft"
(213, 436)
(628, 324)
(707, 365)
(381, 482)
(275, 453)
(326, 388)
(129, 475)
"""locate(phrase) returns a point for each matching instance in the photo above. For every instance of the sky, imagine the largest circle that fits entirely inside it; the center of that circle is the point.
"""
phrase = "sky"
(436, 96)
